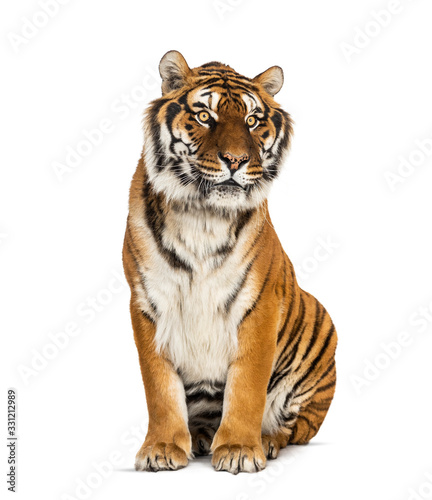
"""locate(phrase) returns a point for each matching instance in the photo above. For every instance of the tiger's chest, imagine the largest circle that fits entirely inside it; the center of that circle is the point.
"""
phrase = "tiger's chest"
(197, 319)
(194, 329)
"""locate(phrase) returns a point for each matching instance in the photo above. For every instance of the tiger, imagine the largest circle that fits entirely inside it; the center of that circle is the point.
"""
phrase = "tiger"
(236, 359)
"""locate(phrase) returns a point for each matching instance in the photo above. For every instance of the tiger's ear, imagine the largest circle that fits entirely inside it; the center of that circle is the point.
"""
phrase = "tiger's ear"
(173, 69)
(272, 80)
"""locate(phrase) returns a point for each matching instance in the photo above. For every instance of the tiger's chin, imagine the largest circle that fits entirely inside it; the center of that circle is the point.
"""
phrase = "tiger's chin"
(232, 198)
(227, 196)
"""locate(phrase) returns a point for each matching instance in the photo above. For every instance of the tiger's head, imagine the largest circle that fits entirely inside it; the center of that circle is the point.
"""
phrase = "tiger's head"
(215, 138)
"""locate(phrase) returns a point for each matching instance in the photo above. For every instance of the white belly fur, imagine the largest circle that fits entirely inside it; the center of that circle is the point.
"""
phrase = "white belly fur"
(197, 336)
(193, 328)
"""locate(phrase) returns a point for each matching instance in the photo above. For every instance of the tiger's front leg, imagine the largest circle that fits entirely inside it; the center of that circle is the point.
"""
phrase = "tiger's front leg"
(167, 445)
(237, 445)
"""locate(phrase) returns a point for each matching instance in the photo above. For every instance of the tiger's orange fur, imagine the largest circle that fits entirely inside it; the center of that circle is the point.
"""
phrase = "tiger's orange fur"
(236, 359)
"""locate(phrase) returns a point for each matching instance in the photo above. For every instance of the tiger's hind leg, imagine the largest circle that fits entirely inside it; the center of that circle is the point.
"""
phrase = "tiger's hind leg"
(273, 443)
(310, 418)
(296, 419)
(202, 438)
(302, 384)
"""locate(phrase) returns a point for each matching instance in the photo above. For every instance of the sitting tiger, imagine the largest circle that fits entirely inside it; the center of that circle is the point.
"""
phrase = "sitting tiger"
(237, 360)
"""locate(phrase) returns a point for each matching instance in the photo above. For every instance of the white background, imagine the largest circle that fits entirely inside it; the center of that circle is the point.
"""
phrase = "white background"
(61, 237)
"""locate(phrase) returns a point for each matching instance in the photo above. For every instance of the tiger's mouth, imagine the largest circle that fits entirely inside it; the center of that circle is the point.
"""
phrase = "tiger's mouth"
(230, 183)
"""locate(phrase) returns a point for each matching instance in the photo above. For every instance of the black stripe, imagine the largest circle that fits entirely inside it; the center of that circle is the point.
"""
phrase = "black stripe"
(294, 333)
(316, 360)
(209, 169)
(309, 423)
(319, 317)
(213, 384)
(239, 287)
(291, 306)
(196, 397)
(155, 131)
(326, 386)
(172, 110)
(208, 415)
(255, 241)
(319, 406)
(283, 371)
(156, 222)
(276, 118)
(245, 217)
(261, 291)
(177, 169)
(211, 63)
(129, 242)
(284, 272)
(323, 388)
(146, 316)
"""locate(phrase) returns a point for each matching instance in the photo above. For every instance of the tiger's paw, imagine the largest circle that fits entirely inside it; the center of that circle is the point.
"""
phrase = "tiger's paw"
(201, 441)
(237, 458)
(271, 446)
(161, 456)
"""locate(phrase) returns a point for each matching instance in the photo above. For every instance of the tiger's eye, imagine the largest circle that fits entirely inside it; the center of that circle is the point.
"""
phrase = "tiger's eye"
(251, 121)
(204, 116)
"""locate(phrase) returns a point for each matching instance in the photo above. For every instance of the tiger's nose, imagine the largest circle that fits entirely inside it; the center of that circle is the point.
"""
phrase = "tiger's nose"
(233, 162)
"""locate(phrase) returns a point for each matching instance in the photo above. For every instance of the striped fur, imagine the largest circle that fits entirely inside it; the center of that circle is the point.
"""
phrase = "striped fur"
(236, 359)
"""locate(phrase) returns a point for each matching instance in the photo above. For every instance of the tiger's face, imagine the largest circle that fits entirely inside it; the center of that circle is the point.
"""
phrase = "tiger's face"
(215, 138)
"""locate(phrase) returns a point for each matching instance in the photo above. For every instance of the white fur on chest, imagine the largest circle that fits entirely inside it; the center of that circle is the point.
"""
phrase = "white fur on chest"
(194, 330)
(194, 327)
